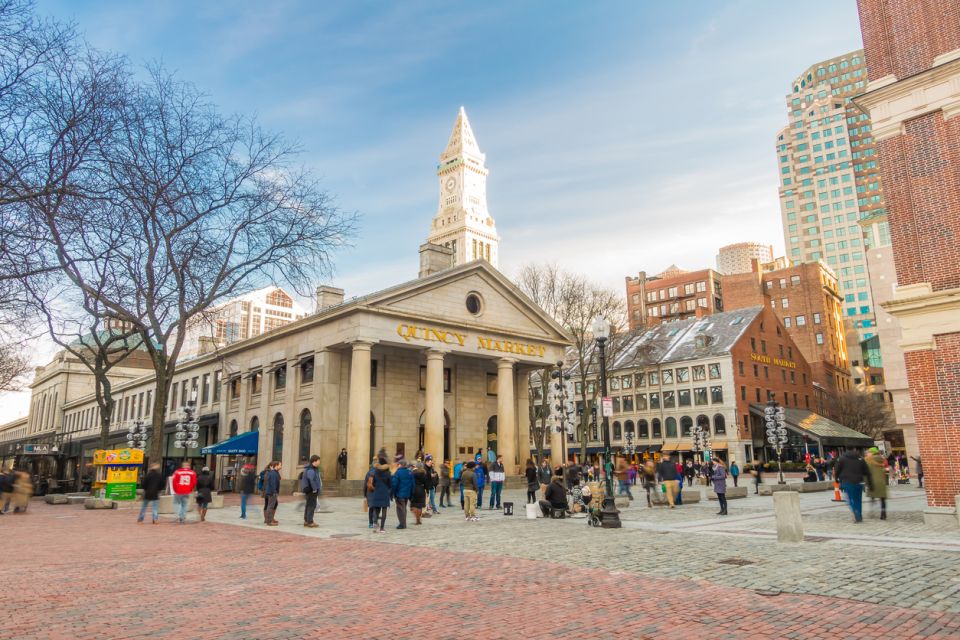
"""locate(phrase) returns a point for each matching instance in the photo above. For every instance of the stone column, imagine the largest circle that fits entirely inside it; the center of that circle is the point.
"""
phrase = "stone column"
(433, 409)
(506, 415)
(358, 420)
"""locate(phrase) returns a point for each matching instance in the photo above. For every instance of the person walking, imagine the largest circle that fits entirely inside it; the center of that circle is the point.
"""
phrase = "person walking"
(22, 491)
(183, 481)
(757, 476)
(433, 479)
(446, 475)
(498, 476)
(310, 487)
(669, 475)
(719, 477)
(877, 488)
(480, 478)
(734, 472)
(851, 471)
(401, 486)
(152, 486)
(6, 489)
(342, 464)
(378, 486)
(649, 474)
(532, 481)
(204, 492)
(623, 478)
(271, 493)
(919, 471)
(418, 498)
(248, 484)
(468, 484)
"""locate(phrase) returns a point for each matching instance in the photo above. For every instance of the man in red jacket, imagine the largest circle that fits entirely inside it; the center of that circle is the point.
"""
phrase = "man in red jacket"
(183, 482)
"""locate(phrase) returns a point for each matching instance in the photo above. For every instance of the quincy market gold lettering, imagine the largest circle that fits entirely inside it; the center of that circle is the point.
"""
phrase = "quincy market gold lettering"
(780, 362)
(505, 346)
(429, 334)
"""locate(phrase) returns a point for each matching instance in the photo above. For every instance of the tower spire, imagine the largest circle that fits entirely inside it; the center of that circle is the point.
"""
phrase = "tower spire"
(462, 141)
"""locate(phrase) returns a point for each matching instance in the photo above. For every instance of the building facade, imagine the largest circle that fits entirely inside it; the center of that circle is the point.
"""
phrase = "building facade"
(672, 295)
(913, 99)
(739, 257)
(462, 222)
(806, 299)
(829, 178)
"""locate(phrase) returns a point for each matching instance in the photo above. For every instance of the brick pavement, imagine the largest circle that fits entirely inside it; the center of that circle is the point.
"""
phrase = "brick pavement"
(84, 574)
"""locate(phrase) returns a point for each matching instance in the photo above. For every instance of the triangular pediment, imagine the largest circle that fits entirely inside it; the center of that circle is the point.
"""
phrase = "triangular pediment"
(443, 297)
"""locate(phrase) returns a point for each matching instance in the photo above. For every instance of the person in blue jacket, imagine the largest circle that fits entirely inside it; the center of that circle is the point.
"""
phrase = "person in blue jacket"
(481, 478)
(377, 489)
(402, 490)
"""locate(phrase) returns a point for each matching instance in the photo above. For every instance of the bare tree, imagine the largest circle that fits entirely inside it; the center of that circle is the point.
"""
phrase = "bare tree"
(574, 301)
(863, 412)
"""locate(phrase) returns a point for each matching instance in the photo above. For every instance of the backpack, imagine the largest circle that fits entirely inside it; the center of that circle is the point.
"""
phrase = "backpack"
(456, 471)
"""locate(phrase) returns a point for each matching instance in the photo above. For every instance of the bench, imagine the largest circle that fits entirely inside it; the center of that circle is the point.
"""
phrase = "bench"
(55, 498)
(732, 493)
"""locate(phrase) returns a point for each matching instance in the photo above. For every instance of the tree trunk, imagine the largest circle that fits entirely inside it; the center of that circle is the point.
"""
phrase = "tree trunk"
(158, 416)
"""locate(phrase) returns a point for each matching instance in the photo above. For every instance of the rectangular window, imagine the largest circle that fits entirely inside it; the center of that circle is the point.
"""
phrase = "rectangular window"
(716, 395)
(669, 400)
(816, 318)
(740, 366)
(492, 384)
(699, 373)
(787, 322)
(654, 377)
(614, 384)
(627, 404)
(743, 392)
(641, 402)
(654, 400)
(205, 393)
(373, 374)
(700, 395)
(715, 371)
(173, 395)
(667, 376)
(801, 321)
(683, 374)
(626, 382)
(234, 387)
(256, 382)
(657, 430)
(616, 404)
(785, 303)
(306, 371)
(640, 379)
(216, 388)
(819, 338)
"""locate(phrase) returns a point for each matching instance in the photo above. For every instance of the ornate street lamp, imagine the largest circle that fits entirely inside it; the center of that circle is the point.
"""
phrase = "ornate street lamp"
(137, 435)
(188, 428)
(560, 396)
(776, 419)
(609, 516)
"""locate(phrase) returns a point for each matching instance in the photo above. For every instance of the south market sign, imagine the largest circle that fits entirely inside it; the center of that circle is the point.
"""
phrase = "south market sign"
(453, 338)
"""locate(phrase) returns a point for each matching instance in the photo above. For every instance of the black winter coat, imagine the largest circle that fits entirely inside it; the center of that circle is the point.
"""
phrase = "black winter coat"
(851, 469)
(152, 484)
(204, 488)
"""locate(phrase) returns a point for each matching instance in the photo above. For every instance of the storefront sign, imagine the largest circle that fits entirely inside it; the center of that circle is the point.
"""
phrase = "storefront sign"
(431, 334)
(36, 449)
(780, 362)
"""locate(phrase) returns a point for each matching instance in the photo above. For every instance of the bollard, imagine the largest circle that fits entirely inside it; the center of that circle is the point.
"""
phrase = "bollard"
(786, 506)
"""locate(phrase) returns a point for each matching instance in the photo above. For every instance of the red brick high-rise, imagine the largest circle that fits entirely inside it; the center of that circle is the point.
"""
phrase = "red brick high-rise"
(913, 98)
(672, 295)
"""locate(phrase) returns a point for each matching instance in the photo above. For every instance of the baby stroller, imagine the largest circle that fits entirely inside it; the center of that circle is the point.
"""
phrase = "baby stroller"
(593, 516)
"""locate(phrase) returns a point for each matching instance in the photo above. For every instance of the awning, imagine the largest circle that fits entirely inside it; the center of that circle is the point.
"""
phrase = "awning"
(253, 374)
(304, 360)
(243, 444)
(652, 448)
(277, 367)
(811, 425)
(679, 445)
(718, 446)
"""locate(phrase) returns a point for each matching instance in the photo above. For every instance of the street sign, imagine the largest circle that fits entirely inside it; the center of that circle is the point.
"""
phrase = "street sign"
(607, 407)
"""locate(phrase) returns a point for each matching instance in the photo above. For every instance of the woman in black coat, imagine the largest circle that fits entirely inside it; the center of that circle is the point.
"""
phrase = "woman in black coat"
(533, 482)
(378, 492)
(421, 487)
(204, 492)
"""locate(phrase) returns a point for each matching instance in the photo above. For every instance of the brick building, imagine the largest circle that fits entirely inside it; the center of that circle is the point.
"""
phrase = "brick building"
(672, 295)
(913, 98)
(806, 300)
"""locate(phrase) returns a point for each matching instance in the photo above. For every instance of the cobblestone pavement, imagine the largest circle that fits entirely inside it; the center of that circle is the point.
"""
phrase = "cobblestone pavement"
(73, 573)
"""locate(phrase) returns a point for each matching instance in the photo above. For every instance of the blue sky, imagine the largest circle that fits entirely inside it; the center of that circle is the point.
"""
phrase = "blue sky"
(620, 136)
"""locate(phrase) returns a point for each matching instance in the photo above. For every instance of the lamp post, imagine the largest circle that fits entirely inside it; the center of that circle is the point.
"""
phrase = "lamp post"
(188, 428)
(610, 517)
(776, 432)
(560, 398)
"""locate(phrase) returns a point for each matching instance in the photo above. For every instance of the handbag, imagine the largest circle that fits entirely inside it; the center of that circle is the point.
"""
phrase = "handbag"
(365, 507)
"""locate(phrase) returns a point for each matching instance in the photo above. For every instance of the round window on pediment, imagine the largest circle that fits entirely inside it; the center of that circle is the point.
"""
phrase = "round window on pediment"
(474, 303)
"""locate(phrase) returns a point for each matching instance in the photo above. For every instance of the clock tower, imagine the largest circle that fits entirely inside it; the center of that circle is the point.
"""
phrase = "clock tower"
(463, 223)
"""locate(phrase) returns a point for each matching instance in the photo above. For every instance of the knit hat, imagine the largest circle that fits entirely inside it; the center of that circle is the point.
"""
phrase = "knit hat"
(428, 458)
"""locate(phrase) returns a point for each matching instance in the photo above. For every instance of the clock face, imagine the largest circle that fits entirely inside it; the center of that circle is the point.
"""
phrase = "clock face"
(450, 184)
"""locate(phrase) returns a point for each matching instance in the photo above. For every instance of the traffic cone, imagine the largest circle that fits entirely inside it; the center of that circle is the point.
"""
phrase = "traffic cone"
(836, 492)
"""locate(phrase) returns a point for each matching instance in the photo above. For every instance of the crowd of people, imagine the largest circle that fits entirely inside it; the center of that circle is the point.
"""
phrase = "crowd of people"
(16, 489)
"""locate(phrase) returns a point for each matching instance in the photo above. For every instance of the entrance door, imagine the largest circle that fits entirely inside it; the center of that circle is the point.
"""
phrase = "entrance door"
(492, 434)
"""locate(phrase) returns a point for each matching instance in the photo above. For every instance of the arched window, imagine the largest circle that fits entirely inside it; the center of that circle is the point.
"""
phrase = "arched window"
(233, 428)
(628, 428)
(704, 423)
(657, 431)
(719, 424)
(686, 425)
(617, 431)
(305, 423)
(643, 429)
(671, 427)
(254, 423)
(278, 437)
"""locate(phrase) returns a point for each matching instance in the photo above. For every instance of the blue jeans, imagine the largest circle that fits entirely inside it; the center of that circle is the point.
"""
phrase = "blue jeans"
(243, 504)
(461, 495)
(624, 488)
(854, 491)
(181, 501)
(496, 490)
(155, 505)
(433, 498)
(479, 497)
